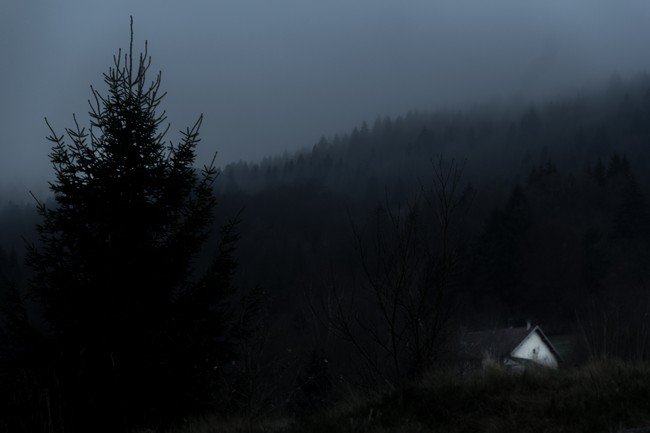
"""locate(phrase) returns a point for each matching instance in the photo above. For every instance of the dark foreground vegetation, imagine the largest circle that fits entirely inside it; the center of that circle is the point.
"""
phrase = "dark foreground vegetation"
(602, 396)
(146, 292)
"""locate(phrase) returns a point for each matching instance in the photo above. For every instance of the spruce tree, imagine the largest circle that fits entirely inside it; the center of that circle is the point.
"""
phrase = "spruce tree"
(136, 335)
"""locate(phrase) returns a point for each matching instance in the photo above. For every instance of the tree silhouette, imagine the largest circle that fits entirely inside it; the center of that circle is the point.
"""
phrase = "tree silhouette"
(137, 333)
(499, 261)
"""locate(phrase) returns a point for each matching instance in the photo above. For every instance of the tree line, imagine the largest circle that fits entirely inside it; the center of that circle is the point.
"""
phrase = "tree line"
(146, 290)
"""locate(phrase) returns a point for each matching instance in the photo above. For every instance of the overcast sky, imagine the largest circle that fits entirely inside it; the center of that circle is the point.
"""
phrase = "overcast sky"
(275, 75)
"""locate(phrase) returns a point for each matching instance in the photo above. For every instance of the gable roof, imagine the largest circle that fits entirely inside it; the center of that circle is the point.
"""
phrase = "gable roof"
(567, 345)
(499, 343)
(547, 341)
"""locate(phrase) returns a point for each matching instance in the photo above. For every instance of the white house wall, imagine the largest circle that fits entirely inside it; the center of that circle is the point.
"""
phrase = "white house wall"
(534, 348)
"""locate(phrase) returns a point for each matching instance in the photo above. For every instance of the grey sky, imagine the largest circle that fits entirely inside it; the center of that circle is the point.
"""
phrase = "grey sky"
(271, 75)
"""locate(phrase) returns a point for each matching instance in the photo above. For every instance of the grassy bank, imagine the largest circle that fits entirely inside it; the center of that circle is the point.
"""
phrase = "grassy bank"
(605, 396)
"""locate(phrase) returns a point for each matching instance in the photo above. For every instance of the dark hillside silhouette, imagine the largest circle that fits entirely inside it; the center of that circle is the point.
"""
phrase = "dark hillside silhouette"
(129, 311)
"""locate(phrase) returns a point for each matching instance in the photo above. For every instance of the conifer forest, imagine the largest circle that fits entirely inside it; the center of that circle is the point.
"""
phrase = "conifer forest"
(473, 261)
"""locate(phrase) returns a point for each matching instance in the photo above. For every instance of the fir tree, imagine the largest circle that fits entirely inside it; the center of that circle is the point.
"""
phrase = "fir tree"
(137, 335)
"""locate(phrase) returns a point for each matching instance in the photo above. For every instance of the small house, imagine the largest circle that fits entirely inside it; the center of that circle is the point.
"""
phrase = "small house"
(512, 347)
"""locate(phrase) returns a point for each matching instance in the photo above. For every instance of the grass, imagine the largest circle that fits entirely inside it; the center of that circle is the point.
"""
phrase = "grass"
(219, 424)
(604, 396)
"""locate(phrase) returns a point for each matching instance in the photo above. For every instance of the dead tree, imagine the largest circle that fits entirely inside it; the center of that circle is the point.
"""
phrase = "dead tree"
(398, 307)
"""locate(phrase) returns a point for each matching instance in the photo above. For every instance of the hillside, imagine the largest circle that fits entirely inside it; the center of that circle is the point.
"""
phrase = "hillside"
(548, 221)
(558, 199)
(602, 397)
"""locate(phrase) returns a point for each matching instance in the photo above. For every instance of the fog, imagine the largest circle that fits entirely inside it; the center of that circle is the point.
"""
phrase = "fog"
(275, 75)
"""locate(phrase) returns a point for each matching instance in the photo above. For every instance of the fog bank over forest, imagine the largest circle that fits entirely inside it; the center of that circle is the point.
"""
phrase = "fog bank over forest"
(405, 195)
(275, 77)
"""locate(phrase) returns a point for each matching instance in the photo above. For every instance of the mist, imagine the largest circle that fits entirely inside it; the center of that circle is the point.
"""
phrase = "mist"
(423, 216)
(275, 76)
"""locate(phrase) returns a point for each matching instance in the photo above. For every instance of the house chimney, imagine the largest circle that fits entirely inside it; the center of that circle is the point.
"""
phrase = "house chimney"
(528, 325)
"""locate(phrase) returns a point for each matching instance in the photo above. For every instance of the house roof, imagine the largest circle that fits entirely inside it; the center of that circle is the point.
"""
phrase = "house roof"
(499, 343)
(566, 345)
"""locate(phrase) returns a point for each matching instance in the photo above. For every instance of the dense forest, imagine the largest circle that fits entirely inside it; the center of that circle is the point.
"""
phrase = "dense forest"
(556, 219)
(471, 218)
